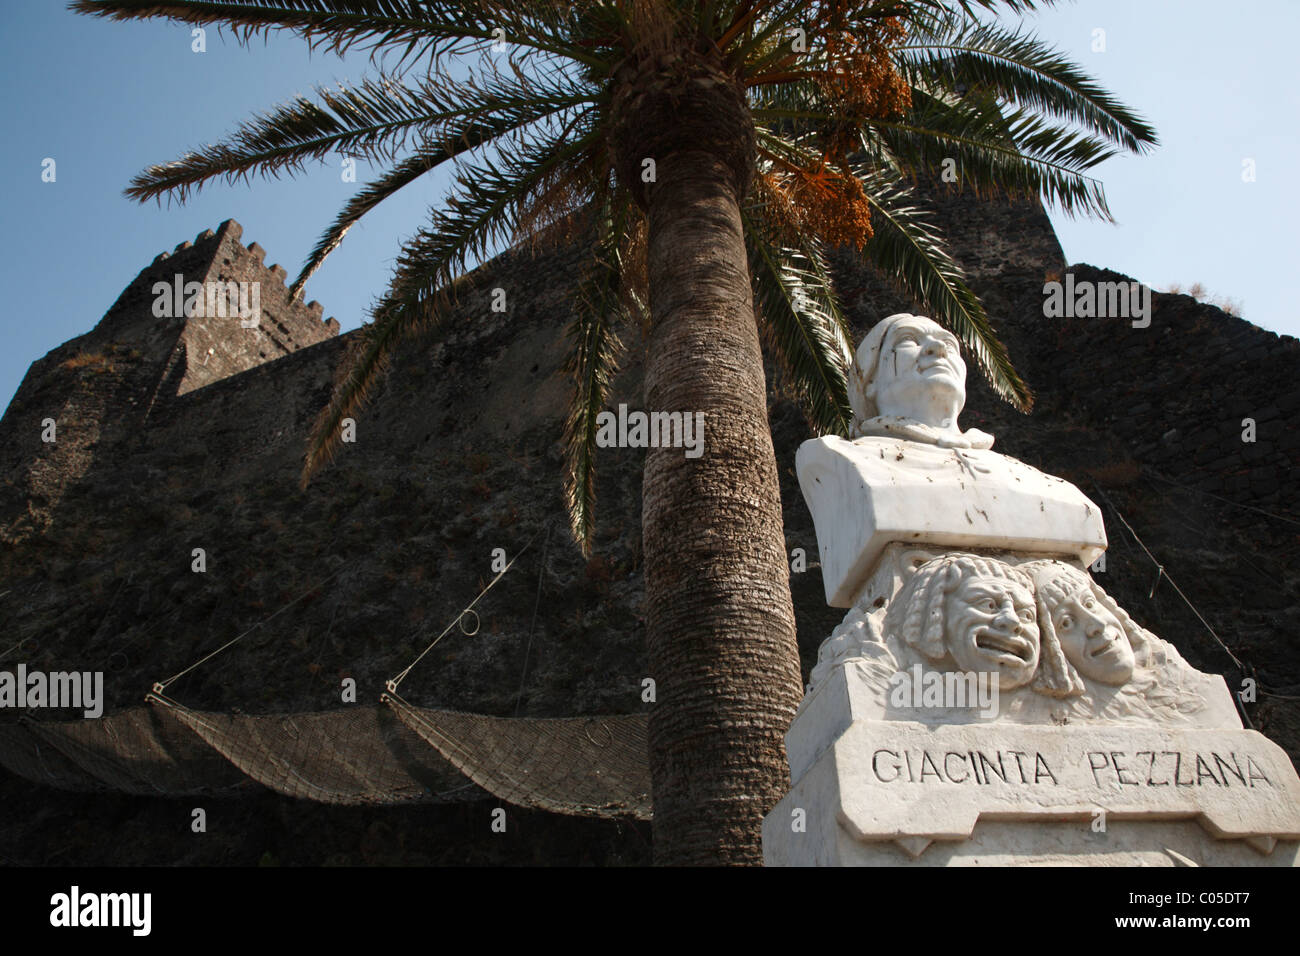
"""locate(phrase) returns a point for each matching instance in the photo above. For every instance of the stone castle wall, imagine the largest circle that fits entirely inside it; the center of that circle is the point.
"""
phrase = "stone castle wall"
(1181, 391)
(460, 454)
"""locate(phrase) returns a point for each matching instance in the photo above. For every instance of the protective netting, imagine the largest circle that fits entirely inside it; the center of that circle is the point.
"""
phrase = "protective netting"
(139, 751)
(23, 753)
(360, 756)
(587, 766)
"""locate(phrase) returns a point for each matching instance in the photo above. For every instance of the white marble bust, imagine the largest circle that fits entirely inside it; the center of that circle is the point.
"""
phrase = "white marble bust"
(912, 475)
(953, 556)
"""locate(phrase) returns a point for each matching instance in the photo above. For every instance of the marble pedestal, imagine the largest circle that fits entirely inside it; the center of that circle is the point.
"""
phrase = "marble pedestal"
(871, 792)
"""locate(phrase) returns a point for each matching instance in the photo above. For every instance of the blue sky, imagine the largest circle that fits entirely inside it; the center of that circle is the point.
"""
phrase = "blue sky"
(105, 100)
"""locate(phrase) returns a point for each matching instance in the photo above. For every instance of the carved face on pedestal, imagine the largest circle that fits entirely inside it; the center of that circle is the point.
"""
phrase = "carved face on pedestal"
(974, 611)
(1092, 637)
(991, 626)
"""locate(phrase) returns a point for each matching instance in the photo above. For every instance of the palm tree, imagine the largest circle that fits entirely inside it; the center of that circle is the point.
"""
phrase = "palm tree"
(708, 151)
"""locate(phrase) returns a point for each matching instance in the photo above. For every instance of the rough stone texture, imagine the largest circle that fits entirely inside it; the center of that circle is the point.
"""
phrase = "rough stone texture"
(104, 389)
(460, 454)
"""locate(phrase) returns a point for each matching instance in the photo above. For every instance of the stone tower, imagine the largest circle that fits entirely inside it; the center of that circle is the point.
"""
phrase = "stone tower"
(206, 311)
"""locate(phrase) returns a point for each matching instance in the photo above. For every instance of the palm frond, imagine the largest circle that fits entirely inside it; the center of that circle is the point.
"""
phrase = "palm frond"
(1011, 6)
(908, 247)
(802, 323)
(455, 142)
(429, 273)
(1012, 154)
(414, 28)
(997, 153)
(768, 37)
(370, 196)
(374, 118)
(1021, 70)
(593, 361)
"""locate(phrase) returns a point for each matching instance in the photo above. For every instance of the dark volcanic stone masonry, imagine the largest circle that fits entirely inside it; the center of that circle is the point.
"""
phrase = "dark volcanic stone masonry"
(175, 434)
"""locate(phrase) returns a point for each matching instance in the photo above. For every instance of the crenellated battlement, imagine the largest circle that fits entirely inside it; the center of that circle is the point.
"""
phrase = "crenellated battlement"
(187, 254)
(210, 308)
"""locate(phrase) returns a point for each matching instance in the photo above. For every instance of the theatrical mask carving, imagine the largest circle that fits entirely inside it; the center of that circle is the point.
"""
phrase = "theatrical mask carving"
(971, 614)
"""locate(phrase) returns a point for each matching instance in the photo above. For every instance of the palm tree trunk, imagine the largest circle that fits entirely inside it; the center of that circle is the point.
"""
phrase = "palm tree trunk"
(719, 621)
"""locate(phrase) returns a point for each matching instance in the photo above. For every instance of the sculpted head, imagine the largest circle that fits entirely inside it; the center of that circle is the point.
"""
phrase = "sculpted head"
(909, 367)
(977, 613)
(1098, 639)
